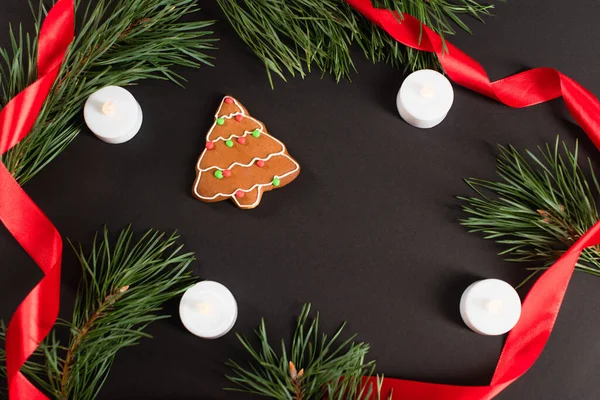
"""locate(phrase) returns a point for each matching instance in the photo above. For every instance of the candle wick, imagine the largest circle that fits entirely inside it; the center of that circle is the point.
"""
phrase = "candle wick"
(204, 308)
(494, 306)
(108, 108)
(427, 92)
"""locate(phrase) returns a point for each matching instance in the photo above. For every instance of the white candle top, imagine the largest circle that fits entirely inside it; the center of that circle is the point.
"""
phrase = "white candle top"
(425, 98)
(113, 114)
(490, 307)
(208, 310)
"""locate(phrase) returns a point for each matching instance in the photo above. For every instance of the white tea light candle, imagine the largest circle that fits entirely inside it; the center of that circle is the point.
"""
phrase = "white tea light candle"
(113, 114)
(490, 307)
(425, 98)
(208, 310)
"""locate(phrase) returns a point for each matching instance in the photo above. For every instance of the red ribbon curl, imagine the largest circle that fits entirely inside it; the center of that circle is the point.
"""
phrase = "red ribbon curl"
(526, 341)
(36, 315)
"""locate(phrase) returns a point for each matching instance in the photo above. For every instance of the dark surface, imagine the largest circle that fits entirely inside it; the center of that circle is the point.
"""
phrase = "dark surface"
(368, 232)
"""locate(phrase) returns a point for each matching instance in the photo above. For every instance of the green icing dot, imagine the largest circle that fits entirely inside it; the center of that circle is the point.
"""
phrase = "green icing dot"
(229, 143)
(218, 174)
(220, 121)
(256, 133)
(276, 181)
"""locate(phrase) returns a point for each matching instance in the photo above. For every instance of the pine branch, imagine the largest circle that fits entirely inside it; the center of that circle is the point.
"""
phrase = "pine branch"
(324, 362)
(540, 207)
(83, 332)
(119, 43)
(35, 367)
(439, 15)
(120, 294)
(292, 36)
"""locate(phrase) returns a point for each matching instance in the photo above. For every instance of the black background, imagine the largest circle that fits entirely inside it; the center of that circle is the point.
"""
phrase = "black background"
(368, 232)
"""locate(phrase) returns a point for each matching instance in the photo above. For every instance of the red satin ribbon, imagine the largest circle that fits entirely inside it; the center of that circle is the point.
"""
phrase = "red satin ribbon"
(36, 315)
(526, 341)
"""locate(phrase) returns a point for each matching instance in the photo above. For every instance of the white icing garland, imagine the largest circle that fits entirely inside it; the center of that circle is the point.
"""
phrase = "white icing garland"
(244, 165)
(258, 185)
(232, 136)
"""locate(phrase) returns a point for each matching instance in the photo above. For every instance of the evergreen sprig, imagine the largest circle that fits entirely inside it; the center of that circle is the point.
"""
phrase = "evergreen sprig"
(539, 206)
(121, 292)
(314, 367)
(439, 15)
(119, 43)
(293, 35)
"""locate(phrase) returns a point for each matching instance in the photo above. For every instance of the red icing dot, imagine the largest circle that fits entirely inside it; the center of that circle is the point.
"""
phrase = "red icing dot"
(226, 173)
(260, 163)
(228, 100)
(239, 117)
(239, 194)
(210, 145)
(241, 140)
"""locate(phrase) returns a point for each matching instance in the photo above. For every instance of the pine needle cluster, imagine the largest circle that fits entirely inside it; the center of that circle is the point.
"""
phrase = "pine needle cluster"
(290, 36)
(314, 367)
(119, 43)
(538, 208)
(121, 292)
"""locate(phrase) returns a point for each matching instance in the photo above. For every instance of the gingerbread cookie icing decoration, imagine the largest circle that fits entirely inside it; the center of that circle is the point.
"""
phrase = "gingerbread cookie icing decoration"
(241, 160)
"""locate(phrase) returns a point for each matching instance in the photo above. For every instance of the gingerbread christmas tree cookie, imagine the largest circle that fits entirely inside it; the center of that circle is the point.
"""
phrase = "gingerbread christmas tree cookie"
(241, 160)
